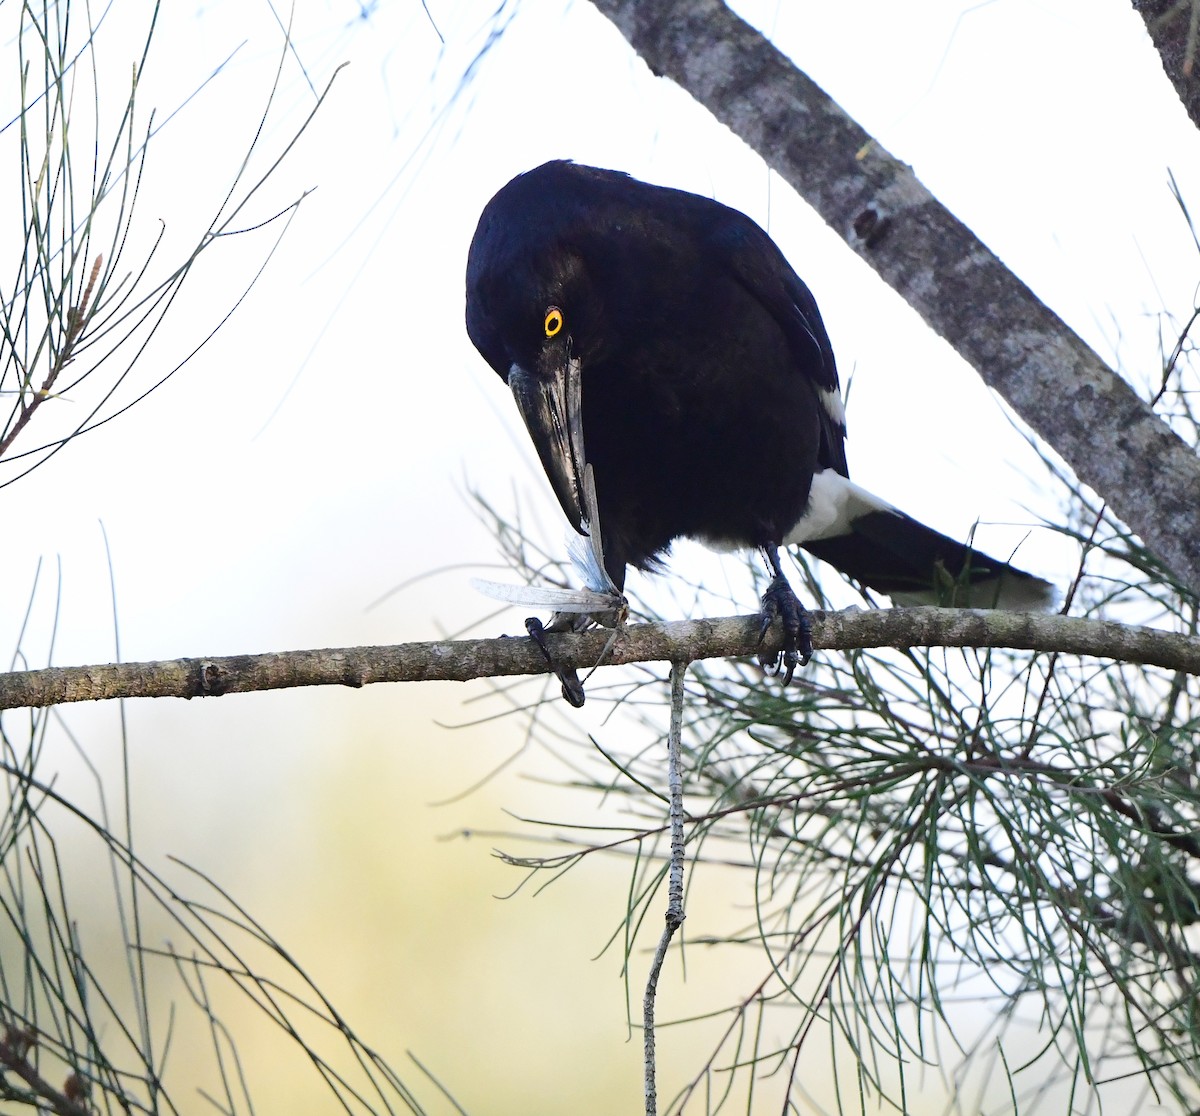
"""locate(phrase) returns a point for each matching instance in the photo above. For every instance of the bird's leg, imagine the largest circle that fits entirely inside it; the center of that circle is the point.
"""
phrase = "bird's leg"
(572, 688)
(780, 601)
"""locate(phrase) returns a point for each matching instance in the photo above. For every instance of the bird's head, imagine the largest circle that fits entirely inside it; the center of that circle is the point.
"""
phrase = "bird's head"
(532, 313)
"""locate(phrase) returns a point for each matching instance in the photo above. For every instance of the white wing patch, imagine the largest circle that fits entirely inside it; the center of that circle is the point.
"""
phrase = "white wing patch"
(834, 502)
(831, 400)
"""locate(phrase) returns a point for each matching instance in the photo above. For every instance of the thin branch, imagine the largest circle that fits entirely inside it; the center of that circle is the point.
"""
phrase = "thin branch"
(14, 1050)
(1108, 435)
(679, 641)
(675, 914)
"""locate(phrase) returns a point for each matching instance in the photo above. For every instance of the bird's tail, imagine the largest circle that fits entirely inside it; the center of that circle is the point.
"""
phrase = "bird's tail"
(884, 549)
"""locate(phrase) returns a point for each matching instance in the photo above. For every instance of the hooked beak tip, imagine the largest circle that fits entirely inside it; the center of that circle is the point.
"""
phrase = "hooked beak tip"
(550, 408)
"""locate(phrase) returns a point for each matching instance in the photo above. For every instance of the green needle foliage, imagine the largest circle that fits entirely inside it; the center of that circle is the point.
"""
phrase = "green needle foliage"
(93, 281)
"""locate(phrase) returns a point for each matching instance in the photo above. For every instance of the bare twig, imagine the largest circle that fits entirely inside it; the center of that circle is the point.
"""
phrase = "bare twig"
(14, 1059)
(77, 318)
(675, 915)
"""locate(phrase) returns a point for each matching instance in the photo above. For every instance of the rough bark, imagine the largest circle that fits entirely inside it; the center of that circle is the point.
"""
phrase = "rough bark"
(679, 642)
(1174, 26)
(1090, 416)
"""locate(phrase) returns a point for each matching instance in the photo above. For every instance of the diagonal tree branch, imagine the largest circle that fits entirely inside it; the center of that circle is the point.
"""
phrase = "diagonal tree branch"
(682, 641)
(1108, 435)
(1174, 27)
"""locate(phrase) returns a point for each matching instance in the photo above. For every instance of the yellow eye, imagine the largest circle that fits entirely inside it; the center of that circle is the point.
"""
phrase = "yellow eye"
(554, 321)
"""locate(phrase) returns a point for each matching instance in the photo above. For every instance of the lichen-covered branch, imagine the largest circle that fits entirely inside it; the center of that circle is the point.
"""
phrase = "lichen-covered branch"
(1174, 27)
(680, 641)
(1107, 434)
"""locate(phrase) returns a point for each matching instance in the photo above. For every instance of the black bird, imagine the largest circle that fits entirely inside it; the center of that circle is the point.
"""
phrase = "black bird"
(709, 393)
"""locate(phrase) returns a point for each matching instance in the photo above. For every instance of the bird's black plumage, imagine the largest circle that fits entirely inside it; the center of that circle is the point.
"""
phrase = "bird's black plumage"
(708, 386)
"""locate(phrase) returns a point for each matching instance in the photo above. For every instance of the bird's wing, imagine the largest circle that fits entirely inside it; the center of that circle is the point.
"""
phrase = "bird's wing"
(757, 263)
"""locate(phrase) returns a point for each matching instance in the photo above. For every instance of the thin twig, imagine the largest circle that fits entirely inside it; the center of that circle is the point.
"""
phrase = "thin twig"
(675, 915)
(14, 1048)
(76, 319)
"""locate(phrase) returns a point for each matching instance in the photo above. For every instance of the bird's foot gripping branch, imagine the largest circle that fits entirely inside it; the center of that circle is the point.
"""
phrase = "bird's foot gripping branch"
(572, 687)
(780, 603)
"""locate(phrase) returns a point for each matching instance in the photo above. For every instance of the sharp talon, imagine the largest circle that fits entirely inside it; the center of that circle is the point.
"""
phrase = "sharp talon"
(804, 641)
(572, 688)
(780, 601)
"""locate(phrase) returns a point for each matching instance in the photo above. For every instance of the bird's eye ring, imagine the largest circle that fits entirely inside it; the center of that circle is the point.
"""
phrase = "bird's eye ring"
(554, 321)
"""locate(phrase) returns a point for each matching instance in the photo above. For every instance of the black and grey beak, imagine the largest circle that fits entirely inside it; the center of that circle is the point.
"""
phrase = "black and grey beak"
(553, 411)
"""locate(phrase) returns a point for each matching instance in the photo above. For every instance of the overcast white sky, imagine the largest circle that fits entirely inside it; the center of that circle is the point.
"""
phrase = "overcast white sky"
(315, 454)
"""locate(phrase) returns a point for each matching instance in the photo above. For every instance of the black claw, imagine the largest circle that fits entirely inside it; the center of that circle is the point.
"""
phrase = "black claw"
(780, 602)
(572, 688)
